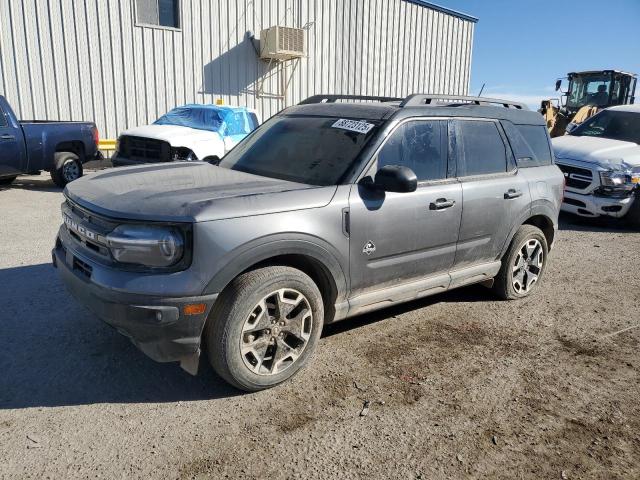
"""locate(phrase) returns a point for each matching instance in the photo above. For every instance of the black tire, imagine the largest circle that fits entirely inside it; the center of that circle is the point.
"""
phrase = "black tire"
(633, 215)
(503, 284)
(223, 333)
(7, 180)
(67, 167)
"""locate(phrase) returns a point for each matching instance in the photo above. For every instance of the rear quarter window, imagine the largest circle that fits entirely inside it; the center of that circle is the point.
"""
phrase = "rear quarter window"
(530, 144)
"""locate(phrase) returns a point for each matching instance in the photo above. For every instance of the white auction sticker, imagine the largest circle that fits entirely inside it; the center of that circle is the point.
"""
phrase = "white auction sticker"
(353, 125)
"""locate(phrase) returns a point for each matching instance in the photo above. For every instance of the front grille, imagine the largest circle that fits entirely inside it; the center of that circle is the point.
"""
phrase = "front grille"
(576, 177)
(82, 267)
(147, 150)
(88, 230)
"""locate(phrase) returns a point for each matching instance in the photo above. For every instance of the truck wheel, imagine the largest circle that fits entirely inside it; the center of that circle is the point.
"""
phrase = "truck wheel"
(633, 215)
(67, 168)
(7, 180)
(264, 327)
(523, 265)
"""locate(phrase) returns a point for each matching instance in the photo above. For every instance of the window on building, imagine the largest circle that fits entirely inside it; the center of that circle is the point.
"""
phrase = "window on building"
(481, 147)
(419, 145)
(161, 13)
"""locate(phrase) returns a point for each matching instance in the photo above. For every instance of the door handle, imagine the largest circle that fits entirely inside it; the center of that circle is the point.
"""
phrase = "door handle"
(441, 204)
(512, 193)
(7, 137)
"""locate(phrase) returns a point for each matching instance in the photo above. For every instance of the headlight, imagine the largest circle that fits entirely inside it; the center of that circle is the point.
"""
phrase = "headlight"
(152, 246)
(613, 178)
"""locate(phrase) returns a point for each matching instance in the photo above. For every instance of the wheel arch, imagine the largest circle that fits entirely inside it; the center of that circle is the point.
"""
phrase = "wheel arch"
(312, 259)
(73, 147)
(540, 216)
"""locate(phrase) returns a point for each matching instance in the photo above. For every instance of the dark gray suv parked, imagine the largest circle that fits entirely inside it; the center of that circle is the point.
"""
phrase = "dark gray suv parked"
(332, 208)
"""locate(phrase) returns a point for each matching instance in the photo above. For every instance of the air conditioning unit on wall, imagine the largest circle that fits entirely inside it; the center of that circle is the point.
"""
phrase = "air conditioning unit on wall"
(282, 43)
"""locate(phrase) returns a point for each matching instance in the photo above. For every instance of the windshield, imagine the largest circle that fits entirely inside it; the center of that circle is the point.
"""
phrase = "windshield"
(611, 124)
(589, 90)
(310, 150)
(213, 118)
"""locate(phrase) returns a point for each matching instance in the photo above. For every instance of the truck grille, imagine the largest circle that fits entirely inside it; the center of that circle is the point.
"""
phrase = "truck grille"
(576, 177)
(147, 150)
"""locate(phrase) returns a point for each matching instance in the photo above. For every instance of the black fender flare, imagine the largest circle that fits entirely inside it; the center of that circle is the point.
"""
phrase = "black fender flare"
(247, 255)
(543, 208)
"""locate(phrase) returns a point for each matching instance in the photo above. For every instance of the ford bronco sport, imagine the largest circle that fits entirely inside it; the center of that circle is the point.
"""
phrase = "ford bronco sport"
(334, 207)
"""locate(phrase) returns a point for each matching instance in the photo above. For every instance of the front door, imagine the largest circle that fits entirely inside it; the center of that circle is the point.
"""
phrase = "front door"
(400, 237)
(12, 159)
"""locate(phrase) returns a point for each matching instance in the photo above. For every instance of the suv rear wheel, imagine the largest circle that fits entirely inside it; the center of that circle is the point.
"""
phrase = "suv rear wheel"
(523, 264)
(264, 327)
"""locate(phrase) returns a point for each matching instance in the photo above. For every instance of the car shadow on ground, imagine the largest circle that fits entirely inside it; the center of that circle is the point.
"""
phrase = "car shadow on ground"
(53, 352)
(40, 183)
(598, 224)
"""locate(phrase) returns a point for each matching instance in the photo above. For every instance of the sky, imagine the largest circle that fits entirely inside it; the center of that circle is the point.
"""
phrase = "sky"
(522, 46)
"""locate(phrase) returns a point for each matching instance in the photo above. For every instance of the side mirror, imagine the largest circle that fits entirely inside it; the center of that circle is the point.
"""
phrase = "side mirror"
(558, 84)
(396, 178)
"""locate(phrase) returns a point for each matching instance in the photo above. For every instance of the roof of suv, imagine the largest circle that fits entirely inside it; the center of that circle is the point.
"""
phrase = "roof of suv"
(381, 108)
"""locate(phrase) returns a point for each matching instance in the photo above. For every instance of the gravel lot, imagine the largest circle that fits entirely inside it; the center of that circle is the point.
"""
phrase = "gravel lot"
(461, 385)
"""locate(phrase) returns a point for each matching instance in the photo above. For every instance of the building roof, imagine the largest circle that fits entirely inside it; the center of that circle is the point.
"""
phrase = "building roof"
(446, 10)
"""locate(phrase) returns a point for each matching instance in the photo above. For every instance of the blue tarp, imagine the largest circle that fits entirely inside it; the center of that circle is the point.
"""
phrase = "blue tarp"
(214, 118)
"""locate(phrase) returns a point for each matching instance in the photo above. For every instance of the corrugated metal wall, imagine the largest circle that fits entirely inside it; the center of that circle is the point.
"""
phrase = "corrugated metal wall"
(88, 60)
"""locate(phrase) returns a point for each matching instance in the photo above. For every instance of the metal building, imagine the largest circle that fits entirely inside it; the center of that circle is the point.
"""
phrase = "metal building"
(123, 63)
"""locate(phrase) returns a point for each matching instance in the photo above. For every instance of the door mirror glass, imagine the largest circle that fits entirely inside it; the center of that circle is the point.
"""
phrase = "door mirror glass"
(396, 178)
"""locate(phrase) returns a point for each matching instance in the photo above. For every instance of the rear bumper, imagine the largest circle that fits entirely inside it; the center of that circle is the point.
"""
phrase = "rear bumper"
(155, 324)
(594, 206)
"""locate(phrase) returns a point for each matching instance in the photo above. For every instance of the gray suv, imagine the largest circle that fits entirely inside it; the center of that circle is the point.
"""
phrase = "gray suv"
(334, 207)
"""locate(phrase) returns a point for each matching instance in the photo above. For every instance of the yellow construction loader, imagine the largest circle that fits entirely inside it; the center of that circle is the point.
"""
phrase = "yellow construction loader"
(588, 93)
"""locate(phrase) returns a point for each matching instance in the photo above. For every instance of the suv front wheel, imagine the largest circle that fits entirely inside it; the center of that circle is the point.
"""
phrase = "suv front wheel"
(523, 264)
(264, 327)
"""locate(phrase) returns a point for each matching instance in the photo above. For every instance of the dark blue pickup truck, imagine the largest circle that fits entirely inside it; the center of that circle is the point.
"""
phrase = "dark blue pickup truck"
(60, 148)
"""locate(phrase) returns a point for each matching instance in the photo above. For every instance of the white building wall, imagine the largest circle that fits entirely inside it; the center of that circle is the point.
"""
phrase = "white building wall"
(88, 60)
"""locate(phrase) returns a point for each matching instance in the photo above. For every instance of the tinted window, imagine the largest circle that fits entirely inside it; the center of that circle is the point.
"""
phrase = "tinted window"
(419, 145)
(253, 121)
(536, 138)
(480, 147)
(311, 150)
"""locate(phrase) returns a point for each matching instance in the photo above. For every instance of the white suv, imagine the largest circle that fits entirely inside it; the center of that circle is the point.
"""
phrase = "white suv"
(600, 160)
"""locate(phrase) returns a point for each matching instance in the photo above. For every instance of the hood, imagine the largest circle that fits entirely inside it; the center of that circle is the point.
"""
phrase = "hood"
(175, 135)
(190, 192)
(604, 152)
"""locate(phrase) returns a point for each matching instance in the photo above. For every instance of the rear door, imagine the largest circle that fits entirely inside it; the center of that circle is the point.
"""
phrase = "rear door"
(495, 195)
(399, 237)
(12, 152)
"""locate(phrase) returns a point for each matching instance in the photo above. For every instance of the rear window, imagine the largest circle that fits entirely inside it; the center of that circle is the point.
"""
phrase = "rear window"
(537, 139)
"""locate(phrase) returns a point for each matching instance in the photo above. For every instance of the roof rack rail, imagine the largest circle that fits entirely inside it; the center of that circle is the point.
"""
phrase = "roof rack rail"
(418, 99)
(332, 98)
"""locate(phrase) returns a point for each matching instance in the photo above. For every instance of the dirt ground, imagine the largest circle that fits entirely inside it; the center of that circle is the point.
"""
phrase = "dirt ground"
(461, 385)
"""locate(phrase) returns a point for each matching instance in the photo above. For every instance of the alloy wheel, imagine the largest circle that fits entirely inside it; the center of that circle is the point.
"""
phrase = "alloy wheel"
(70, 170)
(276, 332)
(527, 266)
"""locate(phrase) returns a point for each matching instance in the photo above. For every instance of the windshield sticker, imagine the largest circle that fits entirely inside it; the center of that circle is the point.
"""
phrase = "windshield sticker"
(353, 125)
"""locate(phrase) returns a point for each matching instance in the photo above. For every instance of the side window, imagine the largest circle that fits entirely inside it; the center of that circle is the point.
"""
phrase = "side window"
(420, 145)
(253, 121)
(480, 147)
(536, 138)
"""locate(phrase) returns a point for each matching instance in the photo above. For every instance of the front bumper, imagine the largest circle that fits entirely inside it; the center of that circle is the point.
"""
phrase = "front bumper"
(596, 206)
(157, 325)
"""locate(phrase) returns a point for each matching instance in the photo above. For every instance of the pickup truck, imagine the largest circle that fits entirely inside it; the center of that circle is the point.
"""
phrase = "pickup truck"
(60, 148)
(600, 160)
(186, 133)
